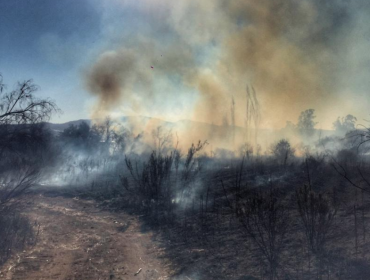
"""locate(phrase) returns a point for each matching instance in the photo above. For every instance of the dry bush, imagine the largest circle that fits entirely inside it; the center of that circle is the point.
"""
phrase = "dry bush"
(15, 233)
(156, 183)
(152, 187)
(317, 215)
(282, 152)
(265, 220)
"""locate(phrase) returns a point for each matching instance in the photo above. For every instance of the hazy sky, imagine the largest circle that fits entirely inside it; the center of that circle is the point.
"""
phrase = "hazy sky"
(298, 54)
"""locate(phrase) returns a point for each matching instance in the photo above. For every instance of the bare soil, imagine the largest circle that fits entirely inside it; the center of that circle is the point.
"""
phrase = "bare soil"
(78, 240)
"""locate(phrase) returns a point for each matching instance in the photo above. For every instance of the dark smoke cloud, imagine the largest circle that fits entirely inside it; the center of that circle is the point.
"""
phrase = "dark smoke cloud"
(108, 77)
(128, 75)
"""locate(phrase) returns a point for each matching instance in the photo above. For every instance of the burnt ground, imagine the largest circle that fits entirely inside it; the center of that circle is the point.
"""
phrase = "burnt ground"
(78, 240)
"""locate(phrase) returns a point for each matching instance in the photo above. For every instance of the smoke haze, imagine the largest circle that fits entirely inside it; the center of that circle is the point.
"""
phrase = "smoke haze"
(192, 57)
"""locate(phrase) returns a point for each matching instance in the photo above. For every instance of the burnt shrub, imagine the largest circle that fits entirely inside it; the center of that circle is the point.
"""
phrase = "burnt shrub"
(15, 233)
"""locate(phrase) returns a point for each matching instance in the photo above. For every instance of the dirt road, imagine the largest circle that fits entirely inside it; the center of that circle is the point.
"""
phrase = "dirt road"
(79, 241)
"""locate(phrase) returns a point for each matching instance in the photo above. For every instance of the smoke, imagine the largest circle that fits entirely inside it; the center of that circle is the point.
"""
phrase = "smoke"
(109, 79)
(128, 76)
(192, 57)
(286, 49)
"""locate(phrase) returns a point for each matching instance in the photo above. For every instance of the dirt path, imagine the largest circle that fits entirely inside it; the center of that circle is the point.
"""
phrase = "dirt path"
(79, 241)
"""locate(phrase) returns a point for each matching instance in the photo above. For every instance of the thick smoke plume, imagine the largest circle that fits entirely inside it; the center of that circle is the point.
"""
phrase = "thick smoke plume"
(201, 54)
(108, 77)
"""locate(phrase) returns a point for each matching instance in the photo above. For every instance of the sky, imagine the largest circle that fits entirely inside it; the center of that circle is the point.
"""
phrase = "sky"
(188, 59)
(49, 42)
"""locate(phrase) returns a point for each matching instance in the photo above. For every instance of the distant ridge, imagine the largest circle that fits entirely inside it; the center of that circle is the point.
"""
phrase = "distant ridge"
(59, 127)
(193, 131)
(183, 122)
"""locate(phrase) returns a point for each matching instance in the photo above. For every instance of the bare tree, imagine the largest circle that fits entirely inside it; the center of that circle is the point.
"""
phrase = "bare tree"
(20, 106)
(162, 139)
(119, 141)
(253, 113)
(246, 150)
(232, 113)
(306, 123)
(20, 111)
(190, 161)
(345, 124)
